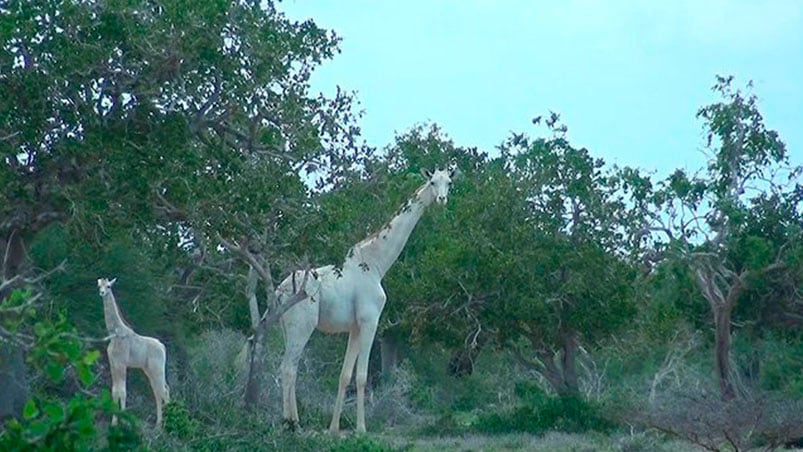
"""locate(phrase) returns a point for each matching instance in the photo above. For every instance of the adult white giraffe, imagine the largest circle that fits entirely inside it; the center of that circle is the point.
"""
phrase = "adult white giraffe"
(350, 300)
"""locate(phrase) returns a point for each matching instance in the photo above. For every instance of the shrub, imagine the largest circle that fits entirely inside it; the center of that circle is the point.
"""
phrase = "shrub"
(56, 425)
(48, 422)
(217, 383)
(392, 404)
(358, 444)
(782, 367)
(541, 412)
(703, 418)
(179, 422)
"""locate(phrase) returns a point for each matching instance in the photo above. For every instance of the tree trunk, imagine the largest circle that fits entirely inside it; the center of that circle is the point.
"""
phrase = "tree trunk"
(721, 287)
(13, 381)
(569, 352)
(256, 346)
(256, 369)
(461, 363)
(13, 372)
(261, 325)
(389, 349)
(559, 367)
(722, 323)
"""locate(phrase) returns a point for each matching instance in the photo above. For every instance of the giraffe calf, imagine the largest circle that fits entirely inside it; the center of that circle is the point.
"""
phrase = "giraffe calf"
(128, 349)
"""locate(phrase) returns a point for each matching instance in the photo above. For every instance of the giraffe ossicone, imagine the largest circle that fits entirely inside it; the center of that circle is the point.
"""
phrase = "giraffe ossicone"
(350, 299)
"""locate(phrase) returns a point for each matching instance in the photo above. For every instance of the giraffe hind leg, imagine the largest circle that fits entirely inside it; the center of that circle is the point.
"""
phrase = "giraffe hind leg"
(298, 324)
(161, 393)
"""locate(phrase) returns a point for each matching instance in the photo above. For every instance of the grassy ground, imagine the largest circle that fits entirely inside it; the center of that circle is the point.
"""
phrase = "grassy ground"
(553, 441)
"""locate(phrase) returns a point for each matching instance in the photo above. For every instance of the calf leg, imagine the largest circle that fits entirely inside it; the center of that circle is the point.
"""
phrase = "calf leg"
(118, 387)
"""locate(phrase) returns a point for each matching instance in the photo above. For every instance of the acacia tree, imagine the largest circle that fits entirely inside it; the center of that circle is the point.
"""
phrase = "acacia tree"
(580, 218)
(525, 255)
(176, 123)
(718, 221)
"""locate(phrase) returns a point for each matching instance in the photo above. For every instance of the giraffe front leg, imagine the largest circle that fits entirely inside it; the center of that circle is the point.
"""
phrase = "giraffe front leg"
(352, 350)
(366, 342)
(118, 388)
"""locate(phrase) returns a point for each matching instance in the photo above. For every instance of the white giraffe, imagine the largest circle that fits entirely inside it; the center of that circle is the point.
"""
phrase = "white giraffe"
(350, 300)
(129, 349)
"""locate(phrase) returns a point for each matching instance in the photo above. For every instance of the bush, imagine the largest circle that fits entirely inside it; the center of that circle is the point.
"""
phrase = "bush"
(541, 412)
(358, 444)
(490, 384)
(179, 422)
(782, 367)
(49, 422)
(217, 382)
(703, 418)
(391, 404)
(56, 425)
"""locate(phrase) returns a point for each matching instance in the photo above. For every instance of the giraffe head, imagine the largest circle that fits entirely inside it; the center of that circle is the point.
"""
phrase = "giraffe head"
(105, 286)
(439, 183)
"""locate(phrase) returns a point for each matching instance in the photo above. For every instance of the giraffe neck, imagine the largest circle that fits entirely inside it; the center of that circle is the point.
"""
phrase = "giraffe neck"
(114, 322)
(383, 248)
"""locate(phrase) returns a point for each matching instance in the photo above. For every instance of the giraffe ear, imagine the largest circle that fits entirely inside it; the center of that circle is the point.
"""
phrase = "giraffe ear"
(426, 173)
(112, 281)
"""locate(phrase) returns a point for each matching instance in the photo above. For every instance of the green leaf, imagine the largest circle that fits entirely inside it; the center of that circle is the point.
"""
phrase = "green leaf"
(85, 374)
(91, 357)
(55, 371)
(54, 411)
(72, 349)
(40, 329)
(30, 410)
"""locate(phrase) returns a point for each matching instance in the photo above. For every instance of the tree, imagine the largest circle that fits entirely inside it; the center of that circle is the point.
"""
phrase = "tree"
(168, 122)
(579, 230)
(719, 223)
(527, 254)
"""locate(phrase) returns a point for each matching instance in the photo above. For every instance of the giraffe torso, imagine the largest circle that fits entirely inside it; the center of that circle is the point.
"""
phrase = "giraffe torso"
(135, 350)
(334, 294)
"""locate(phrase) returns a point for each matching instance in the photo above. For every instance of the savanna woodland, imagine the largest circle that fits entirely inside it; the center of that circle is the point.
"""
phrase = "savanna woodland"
(554, 302)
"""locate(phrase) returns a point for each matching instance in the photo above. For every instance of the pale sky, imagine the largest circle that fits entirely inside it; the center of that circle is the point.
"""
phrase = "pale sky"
(627, 77)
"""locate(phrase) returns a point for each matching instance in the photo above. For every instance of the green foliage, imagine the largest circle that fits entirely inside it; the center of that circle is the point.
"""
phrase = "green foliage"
(745, 144)
(55, 347)
(50, 423)
(360, 444)
(139, 290)
(568, 413)
(156, 127)
(179, 422)
(56, 425)
(782, 366)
